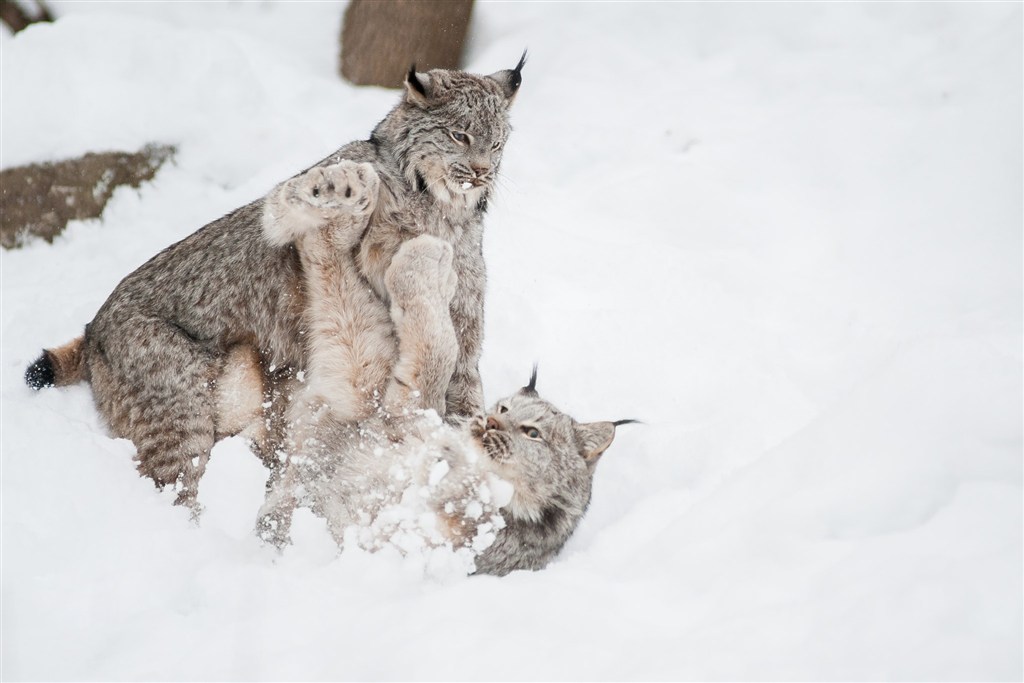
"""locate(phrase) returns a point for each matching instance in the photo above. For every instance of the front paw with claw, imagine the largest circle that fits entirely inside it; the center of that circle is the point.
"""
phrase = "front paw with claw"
(347, 187)
(339, 197)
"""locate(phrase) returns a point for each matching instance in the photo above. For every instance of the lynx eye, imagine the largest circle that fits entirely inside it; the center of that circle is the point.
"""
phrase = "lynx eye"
(496, 146)
(531, 432)
(502, 409)
(460, 137)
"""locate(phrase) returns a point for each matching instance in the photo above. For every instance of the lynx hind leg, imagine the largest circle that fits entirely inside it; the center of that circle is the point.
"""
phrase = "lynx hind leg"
(312, 443)
(341, 195)
(274, 521)
(163, 401)
(239, 394)
(270, 440)
(421, 284)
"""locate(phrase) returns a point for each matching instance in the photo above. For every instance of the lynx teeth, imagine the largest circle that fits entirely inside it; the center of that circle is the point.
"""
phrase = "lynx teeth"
(466, 185)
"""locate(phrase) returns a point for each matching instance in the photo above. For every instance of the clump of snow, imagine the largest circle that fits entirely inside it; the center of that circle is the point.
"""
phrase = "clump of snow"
(785, 236)
(426, 494)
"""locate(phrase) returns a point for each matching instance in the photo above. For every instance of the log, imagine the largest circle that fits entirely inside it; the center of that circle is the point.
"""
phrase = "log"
(380, 39)
(16, 17)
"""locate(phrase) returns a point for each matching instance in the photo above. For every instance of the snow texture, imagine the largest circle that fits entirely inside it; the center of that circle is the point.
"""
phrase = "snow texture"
(787, 237)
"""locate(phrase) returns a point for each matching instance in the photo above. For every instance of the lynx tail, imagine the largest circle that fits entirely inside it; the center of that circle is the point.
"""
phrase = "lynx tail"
(58, 367)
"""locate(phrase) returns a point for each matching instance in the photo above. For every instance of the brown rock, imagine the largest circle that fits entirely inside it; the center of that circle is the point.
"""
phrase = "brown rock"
(40, 199)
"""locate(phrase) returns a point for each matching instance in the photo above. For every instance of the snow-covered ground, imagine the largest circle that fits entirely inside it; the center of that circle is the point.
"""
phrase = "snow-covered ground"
(788, 237)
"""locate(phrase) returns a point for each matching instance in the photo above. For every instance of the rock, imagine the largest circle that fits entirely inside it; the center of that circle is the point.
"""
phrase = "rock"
(40, 199)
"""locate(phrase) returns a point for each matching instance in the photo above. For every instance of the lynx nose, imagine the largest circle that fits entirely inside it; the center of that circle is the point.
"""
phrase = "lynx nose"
(494, 424)
(480, 169)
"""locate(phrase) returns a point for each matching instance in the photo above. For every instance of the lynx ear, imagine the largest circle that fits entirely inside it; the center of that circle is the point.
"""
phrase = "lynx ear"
(594, 439)
(510, 79)
(417, 87)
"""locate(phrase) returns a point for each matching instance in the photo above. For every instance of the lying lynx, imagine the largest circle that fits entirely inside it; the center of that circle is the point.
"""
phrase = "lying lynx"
(157, 347)
(414, 481)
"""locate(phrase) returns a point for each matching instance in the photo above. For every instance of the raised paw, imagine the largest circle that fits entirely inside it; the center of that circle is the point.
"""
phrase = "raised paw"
(340, 196)
(422, 269)
(345, 187)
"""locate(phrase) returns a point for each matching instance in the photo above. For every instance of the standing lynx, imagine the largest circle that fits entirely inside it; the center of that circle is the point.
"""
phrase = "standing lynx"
(156, 348)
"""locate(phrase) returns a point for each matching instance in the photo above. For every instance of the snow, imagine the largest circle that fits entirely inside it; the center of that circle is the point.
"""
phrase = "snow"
(787, 237)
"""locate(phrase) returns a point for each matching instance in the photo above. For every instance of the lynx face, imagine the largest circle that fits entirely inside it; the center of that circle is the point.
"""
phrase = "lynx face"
(546, 455)
(457, 128)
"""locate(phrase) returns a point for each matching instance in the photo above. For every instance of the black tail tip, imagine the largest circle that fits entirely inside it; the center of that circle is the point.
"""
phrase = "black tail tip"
(40, 374)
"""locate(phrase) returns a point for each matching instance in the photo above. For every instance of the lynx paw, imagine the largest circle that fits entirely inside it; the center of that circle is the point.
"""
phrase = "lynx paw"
(341, 196)
(422, 269)
(346, 187)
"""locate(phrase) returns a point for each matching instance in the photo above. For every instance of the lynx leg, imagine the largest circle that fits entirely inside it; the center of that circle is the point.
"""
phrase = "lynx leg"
(312, 427)
(274, 521)
(239, 395)
(160, 395)
(280, 386)
(465, 393)
(421, 283)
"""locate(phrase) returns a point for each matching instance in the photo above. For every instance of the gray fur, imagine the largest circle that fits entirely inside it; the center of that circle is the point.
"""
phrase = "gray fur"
(423, 177)
(156, 347)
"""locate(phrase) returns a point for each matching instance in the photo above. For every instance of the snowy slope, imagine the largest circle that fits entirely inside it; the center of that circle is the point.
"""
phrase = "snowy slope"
(786, 236)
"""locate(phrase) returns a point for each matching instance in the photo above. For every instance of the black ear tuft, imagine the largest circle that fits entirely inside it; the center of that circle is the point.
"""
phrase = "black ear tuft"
(531, 388)
(619, 423)
(414, 82)
(516, 79)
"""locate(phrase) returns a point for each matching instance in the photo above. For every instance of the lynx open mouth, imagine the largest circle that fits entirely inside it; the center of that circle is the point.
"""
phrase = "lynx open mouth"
(471, 184)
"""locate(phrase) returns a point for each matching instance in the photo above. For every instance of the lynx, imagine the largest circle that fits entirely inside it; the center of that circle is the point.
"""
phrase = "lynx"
(505, 491)
(156, 352)
(401, 475)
